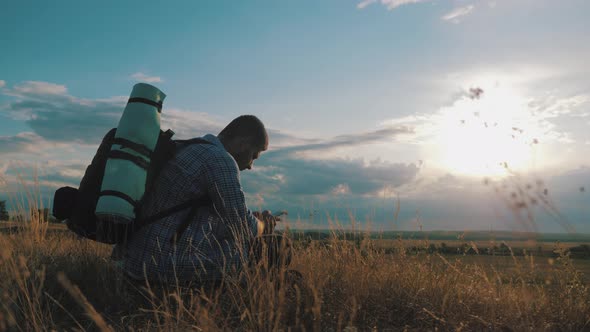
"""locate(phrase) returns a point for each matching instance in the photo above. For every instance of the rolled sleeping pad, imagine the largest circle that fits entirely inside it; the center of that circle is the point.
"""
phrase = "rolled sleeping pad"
(124, 180)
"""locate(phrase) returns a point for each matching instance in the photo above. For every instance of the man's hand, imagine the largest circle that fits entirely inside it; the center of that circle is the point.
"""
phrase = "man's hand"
(269, 221)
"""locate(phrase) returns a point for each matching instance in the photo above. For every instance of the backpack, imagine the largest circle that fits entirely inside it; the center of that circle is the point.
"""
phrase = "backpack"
(77, 206)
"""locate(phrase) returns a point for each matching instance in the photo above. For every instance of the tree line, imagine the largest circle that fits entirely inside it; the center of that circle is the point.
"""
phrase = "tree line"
(3, 212)
(41, 214)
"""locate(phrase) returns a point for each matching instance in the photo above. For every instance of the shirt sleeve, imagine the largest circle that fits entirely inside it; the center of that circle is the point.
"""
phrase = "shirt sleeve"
(225, 190)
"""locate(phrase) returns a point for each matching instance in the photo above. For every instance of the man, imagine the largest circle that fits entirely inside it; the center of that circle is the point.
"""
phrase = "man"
(219, 238)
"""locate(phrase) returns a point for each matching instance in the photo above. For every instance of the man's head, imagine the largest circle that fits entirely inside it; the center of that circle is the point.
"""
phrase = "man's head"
(244, 138)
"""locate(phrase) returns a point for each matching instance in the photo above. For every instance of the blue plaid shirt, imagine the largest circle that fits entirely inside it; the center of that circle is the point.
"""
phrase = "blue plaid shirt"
(213, 242)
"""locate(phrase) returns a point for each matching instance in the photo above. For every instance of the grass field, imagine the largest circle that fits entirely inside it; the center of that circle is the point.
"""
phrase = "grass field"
(50, 280)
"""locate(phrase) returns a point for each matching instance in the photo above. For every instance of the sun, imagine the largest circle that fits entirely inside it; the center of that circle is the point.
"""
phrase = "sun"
(487, 133)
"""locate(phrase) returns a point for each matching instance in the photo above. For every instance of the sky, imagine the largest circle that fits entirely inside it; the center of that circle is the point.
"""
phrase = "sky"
(382, 114)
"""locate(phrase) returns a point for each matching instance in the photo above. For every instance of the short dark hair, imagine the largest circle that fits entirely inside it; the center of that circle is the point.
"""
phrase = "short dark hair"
(247, 127)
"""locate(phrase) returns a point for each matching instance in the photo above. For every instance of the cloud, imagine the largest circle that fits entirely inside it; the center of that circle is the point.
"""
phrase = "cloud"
(451, 202)
(498, 105)
(300, 170)
(187, 124)
(281, 139)
(564, 119)
(43, 175)
(389, 4)
(2, 83)
(22, 142)
(56, 116)
(365, 3)
(291, 175)
(139, 76)
(465, 206)
(456, 13)
(344, 141)
(35, 180)
(317, 188)
(341, 189)
(32, 88)
(552, 106)
(66, 119)
(49, 178)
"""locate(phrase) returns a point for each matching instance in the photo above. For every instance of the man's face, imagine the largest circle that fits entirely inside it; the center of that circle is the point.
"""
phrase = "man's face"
(245, 155)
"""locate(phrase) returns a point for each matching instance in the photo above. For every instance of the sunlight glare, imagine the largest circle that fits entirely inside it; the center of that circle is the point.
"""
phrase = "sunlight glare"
(481, 134)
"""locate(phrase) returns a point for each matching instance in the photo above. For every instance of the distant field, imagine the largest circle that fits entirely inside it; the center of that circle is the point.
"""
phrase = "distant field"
(15, 225)
(542, 243)
(547, 242)
(538, 257)
(446, 236)
(541, 252)
(542, 266)
(481, 244)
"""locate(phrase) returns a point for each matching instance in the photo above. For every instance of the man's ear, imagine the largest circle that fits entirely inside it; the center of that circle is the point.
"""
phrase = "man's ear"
(234, 144)
(239, 144)
(245, 143)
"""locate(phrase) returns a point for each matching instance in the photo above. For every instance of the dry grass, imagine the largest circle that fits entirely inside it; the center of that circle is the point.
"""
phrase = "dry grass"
(55, 281)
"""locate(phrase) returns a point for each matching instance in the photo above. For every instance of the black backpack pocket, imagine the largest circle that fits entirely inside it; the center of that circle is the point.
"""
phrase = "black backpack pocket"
(64, 201)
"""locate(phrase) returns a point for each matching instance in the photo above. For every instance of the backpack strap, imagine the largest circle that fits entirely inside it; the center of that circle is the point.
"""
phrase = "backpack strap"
(196, 140)
(121, 195)
(139, 148)
(183, 226)
(119, 154)
(194, 203)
